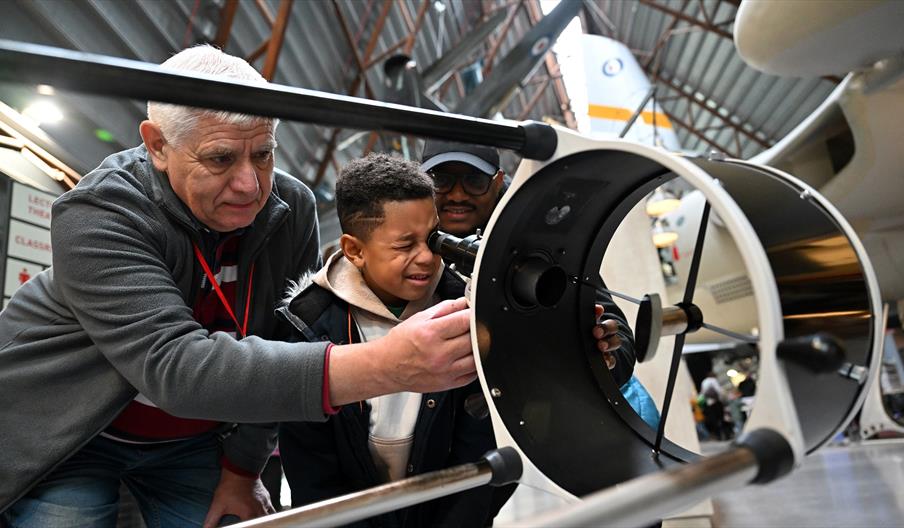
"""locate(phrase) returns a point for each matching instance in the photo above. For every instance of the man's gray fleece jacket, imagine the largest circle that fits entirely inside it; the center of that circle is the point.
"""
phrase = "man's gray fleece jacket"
(113, 317)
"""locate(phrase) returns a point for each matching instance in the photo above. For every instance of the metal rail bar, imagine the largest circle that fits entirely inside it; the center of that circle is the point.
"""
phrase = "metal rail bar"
(97, 74)
(381, 499)
(646, 500)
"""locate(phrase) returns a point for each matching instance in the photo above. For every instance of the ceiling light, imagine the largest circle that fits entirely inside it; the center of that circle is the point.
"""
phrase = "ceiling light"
(45, 89)
(104, 135)
(661, 240)
(661, 202)
(732, 373)
(663, 236)
(43, 112)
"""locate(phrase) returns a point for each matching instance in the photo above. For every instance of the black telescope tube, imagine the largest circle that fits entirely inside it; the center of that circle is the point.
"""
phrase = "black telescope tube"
(98, 74)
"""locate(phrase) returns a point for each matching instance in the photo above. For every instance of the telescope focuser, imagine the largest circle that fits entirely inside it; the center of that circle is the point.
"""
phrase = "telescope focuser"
(462, 252)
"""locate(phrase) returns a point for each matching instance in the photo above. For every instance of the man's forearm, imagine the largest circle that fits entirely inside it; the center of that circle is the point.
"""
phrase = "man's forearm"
(356, 373)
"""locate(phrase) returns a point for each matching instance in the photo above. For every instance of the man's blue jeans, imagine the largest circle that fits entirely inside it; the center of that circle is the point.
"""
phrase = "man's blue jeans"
(173, 484)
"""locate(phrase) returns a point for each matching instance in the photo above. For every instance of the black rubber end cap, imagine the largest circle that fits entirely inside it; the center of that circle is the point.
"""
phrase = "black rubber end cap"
(540, 140)
(773, 453)
(506, 465)
(820, 352)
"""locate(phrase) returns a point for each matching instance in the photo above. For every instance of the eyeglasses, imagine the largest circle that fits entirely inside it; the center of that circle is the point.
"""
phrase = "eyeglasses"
(474, 183)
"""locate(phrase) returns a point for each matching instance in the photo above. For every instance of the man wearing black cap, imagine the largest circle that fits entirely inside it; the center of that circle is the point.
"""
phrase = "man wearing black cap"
(468, 183)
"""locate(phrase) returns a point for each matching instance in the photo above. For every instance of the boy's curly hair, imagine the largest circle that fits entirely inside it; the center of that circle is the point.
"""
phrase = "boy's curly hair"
(364, 185)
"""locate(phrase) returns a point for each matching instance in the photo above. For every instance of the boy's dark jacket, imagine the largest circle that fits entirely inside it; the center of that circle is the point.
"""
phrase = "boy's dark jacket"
(324, 460)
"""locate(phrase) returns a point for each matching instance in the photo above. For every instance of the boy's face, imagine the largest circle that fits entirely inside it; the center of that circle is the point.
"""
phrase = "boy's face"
(396, 263)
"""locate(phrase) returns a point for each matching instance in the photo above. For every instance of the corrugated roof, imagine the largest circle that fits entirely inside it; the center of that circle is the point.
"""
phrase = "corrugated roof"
(713, 98)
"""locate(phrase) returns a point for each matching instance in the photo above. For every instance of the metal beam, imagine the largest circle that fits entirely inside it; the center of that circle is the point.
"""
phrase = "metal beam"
(697, 134)
(409, 41)
(663, 38)
(260, 50)
(438, 72)
(375, 35)
(552, 68)
(706, 17)
(227, 15)
(265, 11)
(597, 12)
(343, 23)
(689, 19)
(538, 93)
(406, 15)
(412, 37)
(371, 44)
(506, 25)
(709, 26)
(276, 39)
(386, 53)
(693, 100)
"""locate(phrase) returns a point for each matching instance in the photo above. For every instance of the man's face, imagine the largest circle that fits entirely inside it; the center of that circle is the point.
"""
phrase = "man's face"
(461, 213)
(223, 172)
(396, 263)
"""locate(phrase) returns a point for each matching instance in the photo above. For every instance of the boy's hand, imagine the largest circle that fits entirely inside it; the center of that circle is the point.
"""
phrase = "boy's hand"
(606, 334)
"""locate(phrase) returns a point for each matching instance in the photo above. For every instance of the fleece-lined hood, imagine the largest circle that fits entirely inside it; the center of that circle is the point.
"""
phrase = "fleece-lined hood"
(345, 281)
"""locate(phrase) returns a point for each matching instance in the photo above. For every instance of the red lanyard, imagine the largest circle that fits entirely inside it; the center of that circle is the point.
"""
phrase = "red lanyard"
(243, 330)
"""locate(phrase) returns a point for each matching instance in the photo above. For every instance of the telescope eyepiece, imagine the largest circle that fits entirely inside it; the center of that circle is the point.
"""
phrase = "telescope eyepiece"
(459, 251)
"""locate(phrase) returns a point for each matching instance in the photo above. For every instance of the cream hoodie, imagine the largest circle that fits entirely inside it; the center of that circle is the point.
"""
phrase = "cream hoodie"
(393, 416)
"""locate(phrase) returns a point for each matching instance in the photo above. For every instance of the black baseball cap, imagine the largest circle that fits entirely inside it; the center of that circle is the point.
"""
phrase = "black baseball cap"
(483, 158)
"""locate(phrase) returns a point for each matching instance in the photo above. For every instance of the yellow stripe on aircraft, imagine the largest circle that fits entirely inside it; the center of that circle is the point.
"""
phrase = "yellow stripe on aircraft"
(623, 114)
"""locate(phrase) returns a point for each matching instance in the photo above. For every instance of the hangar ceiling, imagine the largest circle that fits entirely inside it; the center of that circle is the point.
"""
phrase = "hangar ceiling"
(713, 98)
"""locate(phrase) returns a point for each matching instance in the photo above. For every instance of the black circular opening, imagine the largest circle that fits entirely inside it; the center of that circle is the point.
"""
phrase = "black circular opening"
(538, 282)
(551, 286)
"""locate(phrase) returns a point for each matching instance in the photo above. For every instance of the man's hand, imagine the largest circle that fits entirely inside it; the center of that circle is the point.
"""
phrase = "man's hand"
(244, 497)
(431, 351)
(606, 334)
(428, 352)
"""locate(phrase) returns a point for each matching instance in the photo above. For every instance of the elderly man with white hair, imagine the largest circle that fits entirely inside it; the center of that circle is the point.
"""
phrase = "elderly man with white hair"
(148, 354)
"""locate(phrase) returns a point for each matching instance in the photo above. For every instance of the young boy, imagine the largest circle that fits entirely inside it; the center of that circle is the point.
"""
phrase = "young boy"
(383, 274)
